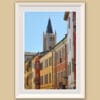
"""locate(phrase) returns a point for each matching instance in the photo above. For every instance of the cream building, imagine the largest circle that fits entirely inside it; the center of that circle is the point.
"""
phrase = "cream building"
(70, 18)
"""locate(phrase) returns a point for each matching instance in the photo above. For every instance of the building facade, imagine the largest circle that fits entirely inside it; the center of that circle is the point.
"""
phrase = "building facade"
(29, 55)
(60, 66)
(33, 72)
(70, 17)
(37, 67)
(37, 72)
(46, 71)
(28, 75)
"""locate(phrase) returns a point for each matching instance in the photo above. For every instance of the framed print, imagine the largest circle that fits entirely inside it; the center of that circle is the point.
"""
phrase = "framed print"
(49, 50)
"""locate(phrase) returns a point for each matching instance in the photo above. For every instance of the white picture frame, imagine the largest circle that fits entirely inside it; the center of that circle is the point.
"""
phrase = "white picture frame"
(20, 9)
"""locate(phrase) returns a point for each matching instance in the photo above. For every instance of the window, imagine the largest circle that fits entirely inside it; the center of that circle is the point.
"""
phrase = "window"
(69, 22)
(50, 47)
(73, 65)
(50, 61)
(74, 16)
(49, 77)
(60, 56)
(46, 78)
(53, 59)
(63, 53)
(66, 50)
(51, 38)
(74, 21)
(58, 76)
(69, 45)
(41, 80)
(56, 57)
(60, 60)
(65, 74)
(55, 78)
(69, 68)
(61, 74)
(41, 66)
(74, 28)
(46, 63)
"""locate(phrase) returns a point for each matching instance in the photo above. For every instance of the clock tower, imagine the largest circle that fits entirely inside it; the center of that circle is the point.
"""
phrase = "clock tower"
(49, 37)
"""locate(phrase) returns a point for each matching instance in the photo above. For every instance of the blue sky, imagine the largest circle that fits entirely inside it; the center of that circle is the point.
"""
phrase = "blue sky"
(35, 25)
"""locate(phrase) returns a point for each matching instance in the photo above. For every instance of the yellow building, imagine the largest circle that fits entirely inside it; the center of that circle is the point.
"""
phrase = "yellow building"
(26, 75)
(29, 74)
(46, 71)
(33, 72)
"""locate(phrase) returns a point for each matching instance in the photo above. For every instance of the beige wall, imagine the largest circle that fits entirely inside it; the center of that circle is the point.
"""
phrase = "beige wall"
(7, 49)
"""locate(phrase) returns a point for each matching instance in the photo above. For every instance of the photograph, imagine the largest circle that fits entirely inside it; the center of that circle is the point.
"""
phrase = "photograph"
(49, 50)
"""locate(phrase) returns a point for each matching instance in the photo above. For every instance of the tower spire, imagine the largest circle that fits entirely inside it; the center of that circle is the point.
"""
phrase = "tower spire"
(49, 27)
(49, 39)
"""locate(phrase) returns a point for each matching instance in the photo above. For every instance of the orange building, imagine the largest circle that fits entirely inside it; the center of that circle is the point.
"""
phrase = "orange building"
(37, 72)
(60, 68)
(37, 69)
